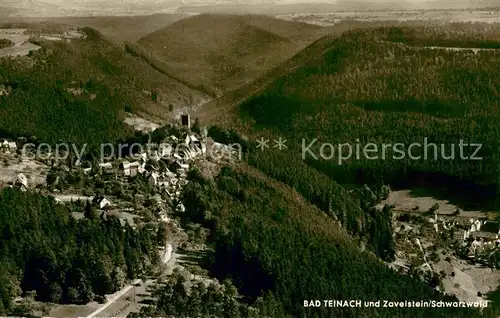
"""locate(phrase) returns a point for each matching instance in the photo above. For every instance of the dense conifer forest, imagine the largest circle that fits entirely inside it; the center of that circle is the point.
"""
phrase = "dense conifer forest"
(79, 92)
(44, 249)
(267, 238)
(369, 86)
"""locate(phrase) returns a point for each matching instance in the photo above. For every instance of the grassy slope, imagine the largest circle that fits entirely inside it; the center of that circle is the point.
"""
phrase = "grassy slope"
(227, 51)
(40, 105)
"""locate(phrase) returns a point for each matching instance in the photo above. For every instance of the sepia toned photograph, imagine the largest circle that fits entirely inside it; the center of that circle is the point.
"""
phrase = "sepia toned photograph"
(250, 158)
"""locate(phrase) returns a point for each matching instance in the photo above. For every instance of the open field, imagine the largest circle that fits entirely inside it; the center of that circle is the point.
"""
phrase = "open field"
(444, 16)
(141, 124)
(468, 279)
(22, 46)
(404, 200)
(59, 8)
(116, 28)
(35, 171)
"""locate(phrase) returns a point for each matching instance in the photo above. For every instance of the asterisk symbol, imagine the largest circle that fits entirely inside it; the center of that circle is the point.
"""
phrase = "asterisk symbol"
(280, 144)
(262, 143)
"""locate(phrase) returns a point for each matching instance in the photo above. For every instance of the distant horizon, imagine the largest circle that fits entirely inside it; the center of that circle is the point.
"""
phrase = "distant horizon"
(89, 8)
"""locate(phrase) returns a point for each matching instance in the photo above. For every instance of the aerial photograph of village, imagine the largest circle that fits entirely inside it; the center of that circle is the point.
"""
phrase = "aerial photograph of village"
(249, 158)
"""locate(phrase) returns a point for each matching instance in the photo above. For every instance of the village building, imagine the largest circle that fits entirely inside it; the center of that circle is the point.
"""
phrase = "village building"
(170, 194)
(154, 156)
(137, 167)
(181, 165)
(475, 225)
(164, 150)
(21, 182)
(12, 146)
(187, 155)
(106, 167)
(131, 169)
(8, 146)
(163, 183)
(484, 236)
(181, 208)
(197, 151)
(153, 178)
(4, 145)
(460, 236)
(125, 168)
(101, 202)
(193, 139)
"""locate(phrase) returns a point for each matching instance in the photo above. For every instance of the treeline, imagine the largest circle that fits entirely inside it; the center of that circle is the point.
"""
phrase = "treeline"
(78, 92)
(174, 299)
(5, 43)
(43, 101)
(459, 37)
(271, 240)
(354, 211)
(44, 249)
(363, 90)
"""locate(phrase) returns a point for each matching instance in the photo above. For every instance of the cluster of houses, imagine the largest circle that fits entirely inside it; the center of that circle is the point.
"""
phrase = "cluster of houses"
(479, 235)
(177, 154)
(164, 165)
(9, 148)
(473, 233)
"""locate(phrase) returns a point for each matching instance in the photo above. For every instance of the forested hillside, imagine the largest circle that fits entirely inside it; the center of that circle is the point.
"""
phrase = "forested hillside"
(367, 86)
(268, 239)
(44, 249)
(79, 91)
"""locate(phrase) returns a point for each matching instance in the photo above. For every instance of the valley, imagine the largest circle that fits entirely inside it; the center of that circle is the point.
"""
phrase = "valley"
(134, 181)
